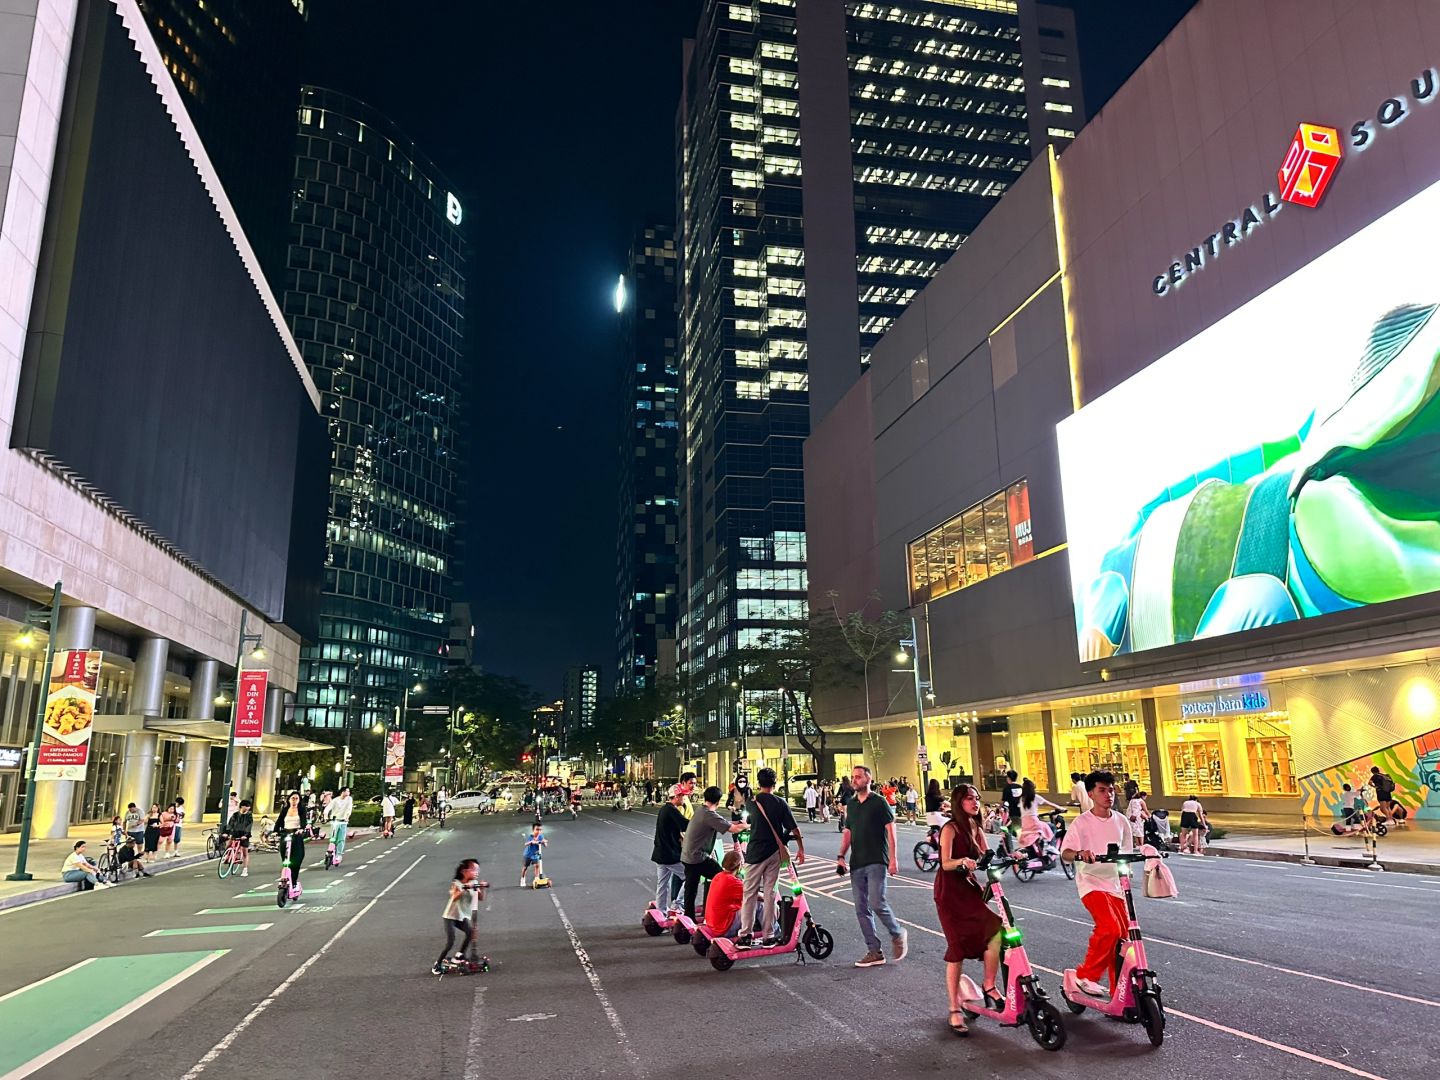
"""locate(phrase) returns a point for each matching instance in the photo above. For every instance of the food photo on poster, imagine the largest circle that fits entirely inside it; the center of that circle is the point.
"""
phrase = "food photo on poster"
(69, 716)
(1282, 464)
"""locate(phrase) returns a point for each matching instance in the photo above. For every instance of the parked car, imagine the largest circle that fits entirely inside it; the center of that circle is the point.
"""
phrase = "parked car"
(469, 800)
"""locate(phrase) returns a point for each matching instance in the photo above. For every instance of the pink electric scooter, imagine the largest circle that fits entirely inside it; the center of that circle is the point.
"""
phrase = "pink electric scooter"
(1134, 990)
(798, 930)
(1025, 1000)
(657, 920)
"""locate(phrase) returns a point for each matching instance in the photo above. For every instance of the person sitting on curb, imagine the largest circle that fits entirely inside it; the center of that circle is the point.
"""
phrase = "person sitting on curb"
(79, 870)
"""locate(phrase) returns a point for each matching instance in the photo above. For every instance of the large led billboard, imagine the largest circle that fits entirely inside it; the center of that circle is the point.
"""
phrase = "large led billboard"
(1282, 464)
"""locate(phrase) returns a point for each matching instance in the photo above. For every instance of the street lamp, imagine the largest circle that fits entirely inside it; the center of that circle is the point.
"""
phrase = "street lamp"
(49, 620)
(921, 689)
(259, 654)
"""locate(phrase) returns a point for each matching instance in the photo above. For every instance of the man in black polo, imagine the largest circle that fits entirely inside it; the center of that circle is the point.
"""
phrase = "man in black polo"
(772, 825)
(870, 834)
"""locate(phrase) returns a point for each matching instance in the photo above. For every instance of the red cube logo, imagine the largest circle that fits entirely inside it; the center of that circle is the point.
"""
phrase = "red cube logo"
(1310, 164)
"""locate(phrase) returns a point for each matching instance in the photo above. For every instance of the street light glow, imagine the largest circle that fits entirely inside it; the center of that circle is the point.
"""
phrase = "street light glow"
(620, 295)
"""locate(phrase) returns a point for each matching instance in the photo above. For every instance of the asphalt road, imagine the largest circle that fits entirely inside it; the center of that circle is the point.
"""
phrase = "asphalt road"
(1268, 970)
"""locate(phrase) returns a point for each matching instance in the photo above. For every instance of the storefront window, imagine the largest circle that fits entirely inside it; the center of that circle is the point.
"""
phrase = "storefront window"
(1233, 742)
(1109, 740)
(981, 541)
(1027, 747)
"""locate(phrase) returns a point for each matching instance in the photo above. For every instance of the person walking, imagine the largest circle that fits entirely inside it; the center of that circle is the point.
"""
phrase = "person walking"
(812, 799)
(408, 811)
(827, 795)
(870, 833)
(179, 823)
(387, 814)
(972, 929)
(665, 852)
(1384, 791)
(772, 826)
(912, 802)
(1078, 795)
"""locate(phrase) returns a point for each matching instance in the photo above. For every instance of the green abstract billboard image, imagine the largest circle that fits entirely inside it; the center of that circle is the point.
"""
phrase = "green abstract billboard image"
(1282, 464)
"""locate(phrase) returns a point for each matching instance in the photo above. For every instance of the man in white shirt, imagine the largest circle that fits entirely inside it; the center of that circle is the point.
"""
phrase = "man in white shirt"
(812, 799)
(1100, 891)
(339, 811)
(387, 811)
(1078, 795)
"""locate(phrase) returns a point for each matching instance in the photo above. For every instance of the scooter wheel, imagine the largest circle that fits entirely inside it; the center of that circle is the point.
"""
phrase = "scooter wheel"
(652, 928)
(700, 943)
(819, 942)
(1152, 1016)
(1074, 1006)
(282, 896)
(681, 935)
(1069, 869)
(720, 962)
(329, 860)
(1046, 1027)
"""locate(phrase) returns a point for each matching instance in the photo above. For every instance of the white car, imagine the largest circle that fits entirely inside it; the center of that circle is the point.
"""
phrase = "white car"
(469, 800)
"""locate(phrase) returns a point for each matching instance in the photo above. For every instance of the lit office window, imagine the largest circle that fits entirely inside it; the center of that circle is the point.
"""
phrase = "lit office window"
(979, 542)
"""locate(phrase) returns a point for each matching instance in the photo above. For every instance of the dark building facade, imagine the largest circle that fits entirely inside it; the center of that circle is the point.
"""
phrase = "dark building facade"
(832, 157)
(582, 698)
(648, 535)
(237, 65)
(375, 297)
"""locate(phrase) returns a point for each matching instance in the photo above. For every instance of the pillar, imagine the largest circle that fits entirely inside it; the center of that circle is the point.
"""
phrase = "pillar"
(1056, 781)
(239, 768)
(203, 682)
(195, 784)
(1153, 752)
(147, 698)
(53, 798)
(265, 764)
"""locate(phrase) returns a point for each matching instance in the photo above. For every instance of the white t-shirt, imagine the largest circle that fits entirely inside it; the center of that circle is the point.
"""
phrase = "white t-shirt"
(387, 806)
(1090, 833)
(1080, 796)
(341, 807)
(812, 797)
(76, 861)
(1191, 806)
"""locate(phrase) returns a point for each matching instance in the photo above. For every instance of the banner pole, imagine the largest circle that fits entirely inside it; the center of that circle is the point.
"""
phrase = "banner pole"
(33, 763)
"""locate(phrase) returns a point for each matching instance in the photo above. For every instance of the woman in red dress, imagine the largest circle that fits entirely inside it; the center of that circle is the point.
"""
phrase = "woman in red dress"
(972, 930)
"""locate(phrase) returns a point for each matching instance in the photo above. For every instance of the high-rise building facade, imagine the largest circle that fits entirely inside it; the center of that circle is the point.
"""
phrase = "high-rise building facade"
(831, 157)
(375, 297)
(582, 697)
(649, 520)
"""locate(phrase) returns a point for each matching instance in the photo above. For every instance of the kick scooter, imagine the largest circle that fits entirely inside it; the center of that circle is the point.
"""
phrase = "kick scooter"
(1134, 990)
(285, 889)
(1025, 1000)
(333, 856)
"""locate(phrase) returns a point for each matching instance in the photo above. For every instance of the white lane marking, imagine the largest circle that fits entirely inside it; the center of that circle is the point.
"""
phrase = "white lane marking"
(593, 977)
(1369, 879)
(476, 1064)
(352, 873)
(530, 1018)
(617, 825)
(49, 978)
(254, 1014)
(59, 1050)
(829, 1018)
(1246, 960)
(1169, 1011)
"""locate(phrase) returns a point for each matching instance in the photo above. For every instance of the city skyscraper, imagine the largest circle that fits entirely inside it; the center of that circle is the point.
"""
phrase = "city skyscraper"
(646, 573)
(237, 64)
(375, 295)
(581, 699)
(831, 157)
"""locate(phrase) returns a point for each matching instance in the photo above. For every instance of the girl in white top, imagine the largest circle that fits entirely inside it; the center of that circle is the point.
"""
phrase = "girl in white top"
(1031, 827)
(462, 913)
(1192, 826)
(1138, 813)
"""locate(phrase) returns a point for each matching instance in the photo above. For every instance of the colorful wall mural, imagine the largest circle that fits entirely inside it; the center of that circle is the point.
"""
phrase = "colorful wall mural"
(1414, 765)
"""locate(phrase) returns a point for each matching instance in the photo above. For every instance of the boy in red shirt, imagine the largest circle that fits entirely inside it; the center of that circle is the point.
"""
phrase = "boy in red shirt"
(722, 901)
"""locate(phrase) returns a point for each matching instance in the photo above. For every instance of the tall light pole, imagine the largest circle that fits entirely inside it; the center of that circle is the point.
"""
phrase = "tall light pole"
(49, 620)
(921, 687)
(259, 654)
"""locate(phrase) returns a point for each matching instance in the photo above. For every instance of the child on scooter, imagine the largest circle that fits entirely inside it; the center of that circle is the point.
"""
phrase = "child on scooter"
(1100, 890)
(462, 914)
(722, 900)
(534, 843)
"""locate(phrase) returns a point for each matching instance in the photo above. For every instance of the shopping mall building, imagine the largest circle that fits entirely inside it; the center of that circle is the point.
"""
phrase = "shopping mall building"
(153, 407)
(1147, 460)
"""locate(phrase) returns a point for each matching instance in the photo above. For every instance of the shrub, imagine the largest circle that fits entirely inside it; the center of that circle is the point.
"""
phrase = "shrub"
(364, 816)
(1216, 833)
(364, 786)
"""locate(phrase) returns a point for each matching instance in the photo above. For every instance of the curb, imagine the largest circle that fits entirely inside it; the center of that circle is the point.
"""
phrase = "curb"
(64, 888)
(1393, 866)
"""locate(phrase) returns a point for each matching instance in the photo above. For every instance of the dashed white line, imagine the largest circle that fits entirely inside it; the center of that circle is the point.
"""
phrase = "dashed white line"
(599, 990)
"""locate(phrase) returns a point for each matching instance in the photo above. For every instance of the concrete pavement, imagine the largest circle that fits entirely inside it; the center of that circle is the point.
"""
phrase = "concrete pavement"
(1268, 969)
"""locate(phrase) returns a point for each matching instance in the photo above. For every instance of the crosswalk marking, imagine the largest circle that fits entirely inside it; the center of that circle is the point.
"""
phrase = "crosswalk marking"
(232, 928)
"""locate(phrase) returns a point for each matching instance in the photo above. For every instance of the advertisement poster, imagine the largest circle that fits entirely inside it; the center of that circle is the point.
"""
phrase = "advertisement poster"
(69, 716)
(250, 708)
(395, 757)
(1278, 466)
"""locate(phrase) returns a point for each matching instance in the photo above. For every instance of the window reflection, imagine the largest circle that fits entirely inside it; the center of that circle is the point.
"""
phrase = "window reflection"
(983, 540)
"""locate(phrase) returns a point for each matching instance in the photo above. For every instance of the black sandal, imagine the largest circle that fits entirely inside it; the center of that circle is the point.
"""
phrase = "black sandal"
(992, 999)
(961, 1028)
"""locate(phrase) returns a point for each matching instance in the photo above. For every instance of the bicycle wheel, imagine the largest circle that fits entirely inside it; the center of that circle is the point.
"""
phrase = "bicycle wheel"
(927, 856)
(226, 865)
(1069, 869)
(212, 846)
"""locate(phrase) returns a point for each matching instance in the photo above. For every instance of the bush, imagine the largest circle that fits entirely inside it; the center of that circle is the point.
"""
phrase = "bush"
(1216, 833)
(364, 816)
(364, 786)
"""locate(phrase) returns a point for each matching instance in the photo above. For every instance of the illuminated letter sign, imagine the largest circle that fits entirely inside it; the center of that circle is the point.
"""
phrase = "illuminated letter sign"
(1310, 164)
(453, 213)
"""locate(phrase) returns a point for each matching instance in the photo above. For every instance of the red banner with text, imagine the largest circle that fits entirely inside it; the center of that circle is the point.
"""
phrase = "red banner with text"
(250, 708)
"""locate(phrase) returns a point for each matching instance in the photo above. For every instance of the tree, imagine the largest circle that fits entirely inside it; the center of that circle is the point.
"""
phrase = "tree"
(640, 719)
(866, 640)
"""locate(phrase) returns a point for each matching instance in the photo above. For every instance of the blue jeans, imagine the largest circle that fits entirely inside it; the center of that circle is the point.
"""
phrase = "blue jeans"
(669, 880)
(867, 886)
(77, 876)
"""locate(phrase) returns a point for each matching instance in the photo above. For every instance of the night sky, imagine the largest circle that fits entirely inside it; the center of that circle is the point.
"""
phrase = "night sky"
(554, 122)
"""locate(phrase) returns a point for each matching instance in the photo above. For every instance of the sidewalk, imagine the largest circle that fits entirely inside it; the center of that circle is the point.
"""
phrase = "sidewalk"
(45, 857)
(1414, 849)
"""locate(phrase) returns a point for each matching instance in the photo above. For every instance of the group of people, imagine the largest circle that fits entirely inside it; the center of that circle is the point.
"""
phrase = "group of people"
(1375, 800)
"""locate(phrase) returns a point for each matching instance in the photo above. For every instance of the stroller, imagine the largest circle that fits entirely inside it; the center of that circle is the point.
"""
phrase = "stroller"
(1157, 831)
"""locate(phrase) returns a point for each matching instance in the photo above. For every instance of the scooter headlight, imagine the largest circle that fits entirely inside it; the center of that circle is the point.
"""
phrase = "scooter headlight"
(797, 888)
(1011, 936)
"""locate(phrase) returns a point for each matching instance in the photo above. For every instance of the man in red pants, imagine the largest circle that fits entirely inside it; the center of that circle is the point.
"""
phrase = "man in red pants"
(1099, 884)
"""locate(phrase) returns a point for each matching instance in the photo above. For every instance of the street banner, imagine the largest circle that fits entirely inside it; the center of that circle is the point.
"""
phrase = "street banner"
(250, 708)
(69, 716)
(395, 758)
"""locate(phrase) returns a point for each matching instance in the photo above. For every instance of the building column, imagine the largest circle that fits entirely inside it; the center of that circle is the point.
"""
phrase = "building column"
(1152, 747)
(54, 798)
(147, 698)
(204, 679)
(266, 761)
(196, 782)
(1056, 777)
(239, 770)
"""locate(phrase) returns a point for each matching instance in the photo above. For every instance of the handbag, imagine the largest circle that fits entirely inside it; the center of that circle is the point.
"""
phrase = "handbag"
(1159, 881)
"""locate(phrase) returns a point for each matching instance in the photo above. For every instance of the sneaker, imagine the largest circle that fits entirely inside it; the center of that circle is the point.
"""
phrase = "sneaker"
(1094, 989)
(437, 969)
(900, 946)
(244, 872)
(522, 882)
(873, 958)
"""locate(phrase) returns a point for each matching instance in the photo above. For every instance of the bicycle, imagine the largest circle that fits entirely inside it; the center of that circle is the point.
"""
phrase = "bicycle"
(108, 865)
(927, 851)
(233, 856)
(214, 844)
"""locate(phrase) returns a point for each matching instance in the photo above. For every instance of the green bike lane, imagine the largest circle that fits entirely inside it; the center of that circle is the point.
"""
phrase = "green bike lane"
(116, 967)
